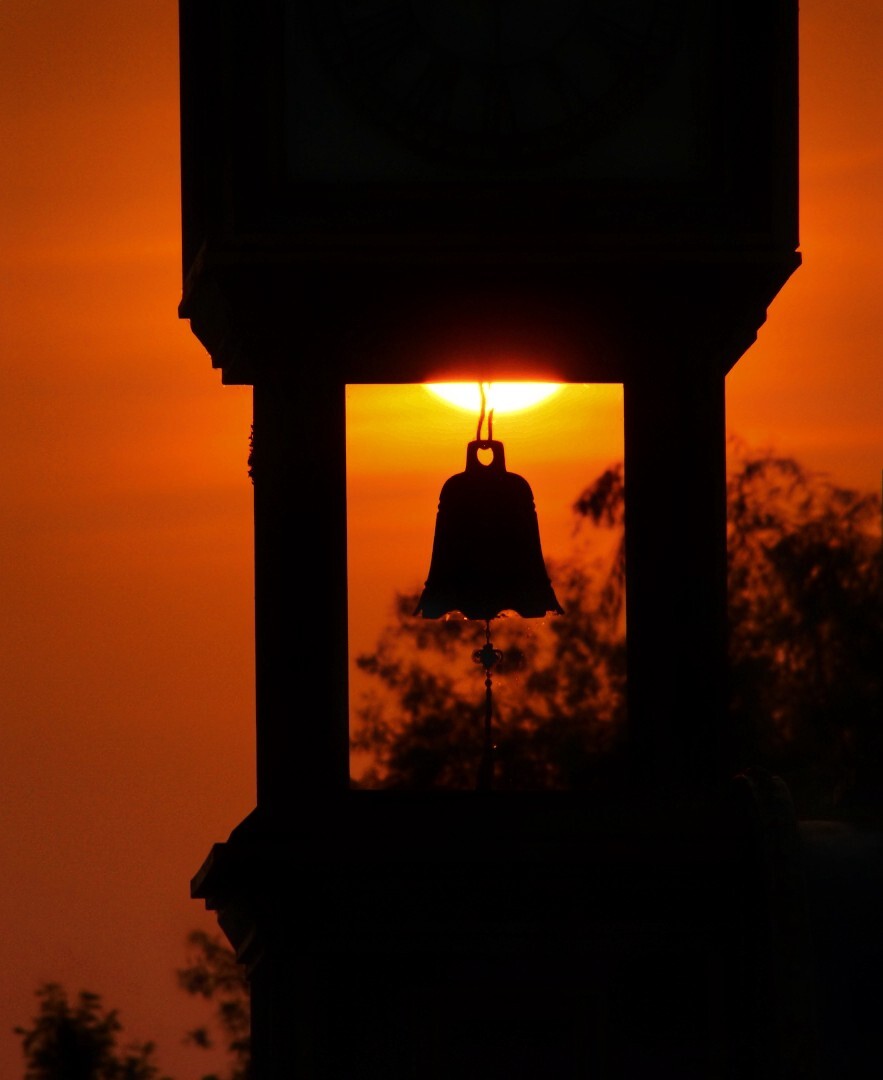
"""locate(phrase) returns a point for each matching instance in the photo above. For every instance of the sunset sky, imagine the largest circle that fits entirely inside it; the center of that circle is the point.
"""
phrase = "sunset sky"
(126, 694)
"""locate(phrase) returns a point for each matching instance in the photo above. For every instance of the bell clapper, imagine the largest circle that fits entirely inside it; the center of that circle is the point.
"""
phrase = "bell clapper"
(487, 656)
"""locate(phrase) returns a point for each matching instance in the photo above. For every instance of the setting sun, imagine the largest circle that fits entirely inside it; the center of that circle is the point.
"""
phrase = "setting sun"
(501, 397)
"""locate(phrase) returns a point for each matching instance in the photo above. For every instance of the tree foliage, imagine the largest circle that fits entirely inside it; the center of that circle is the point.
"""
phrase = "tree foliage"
(806, 625)
(806, 629)
(213, 972)
(79, 1041)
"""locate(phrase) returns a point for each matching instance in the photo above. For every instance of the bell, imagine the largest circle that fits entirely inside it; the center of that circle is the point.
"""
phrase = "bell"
(486, 556)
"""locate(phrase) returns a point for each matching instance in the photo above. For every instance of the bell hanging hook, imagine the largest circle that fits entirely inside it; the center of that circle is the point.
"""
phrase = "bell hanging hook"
(481, 417)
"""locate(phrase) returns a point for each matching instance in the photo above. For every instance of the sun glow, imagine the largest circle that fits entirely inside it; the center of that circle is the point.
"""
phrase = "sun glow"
(503, 397)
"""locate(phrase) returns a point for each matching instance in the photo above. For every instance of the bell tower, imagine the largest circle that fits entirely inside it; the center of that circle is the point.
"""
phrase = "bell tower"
(373, 193)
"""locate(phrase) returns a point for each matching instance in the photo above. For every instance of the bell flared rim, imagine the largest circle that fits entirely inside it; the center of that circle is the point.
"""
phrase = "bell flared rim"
(438, 603)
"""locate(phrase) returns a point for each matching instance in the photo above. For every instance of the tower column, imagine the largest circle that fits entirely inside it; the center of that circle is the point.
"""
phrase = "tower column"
(299, 471)
(676, 573)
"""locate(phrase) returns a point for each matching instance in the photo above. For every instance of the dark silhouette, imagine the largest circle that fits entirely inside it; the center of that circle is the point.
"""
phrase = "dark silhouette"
(79, 1041)
(806, 626)
(806, 633)
(358, 237)
(486, 554)
(212, 972)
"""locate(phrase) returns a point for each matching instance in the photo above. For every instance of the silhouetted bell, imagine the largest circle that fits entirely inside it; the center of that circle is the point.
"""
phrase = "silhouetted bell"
(486, 556)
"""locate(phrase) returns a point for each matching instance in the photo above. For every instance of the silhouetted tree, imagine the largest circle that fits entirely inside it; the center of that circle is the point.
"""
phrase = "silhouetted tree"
(806, 627)
(806, 634)
(213, 973)
(79, 1041)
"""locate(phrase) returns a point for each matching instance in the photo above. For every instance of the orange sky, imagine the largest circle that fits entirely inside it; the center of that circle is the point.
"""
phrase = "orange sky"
(127, 674)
